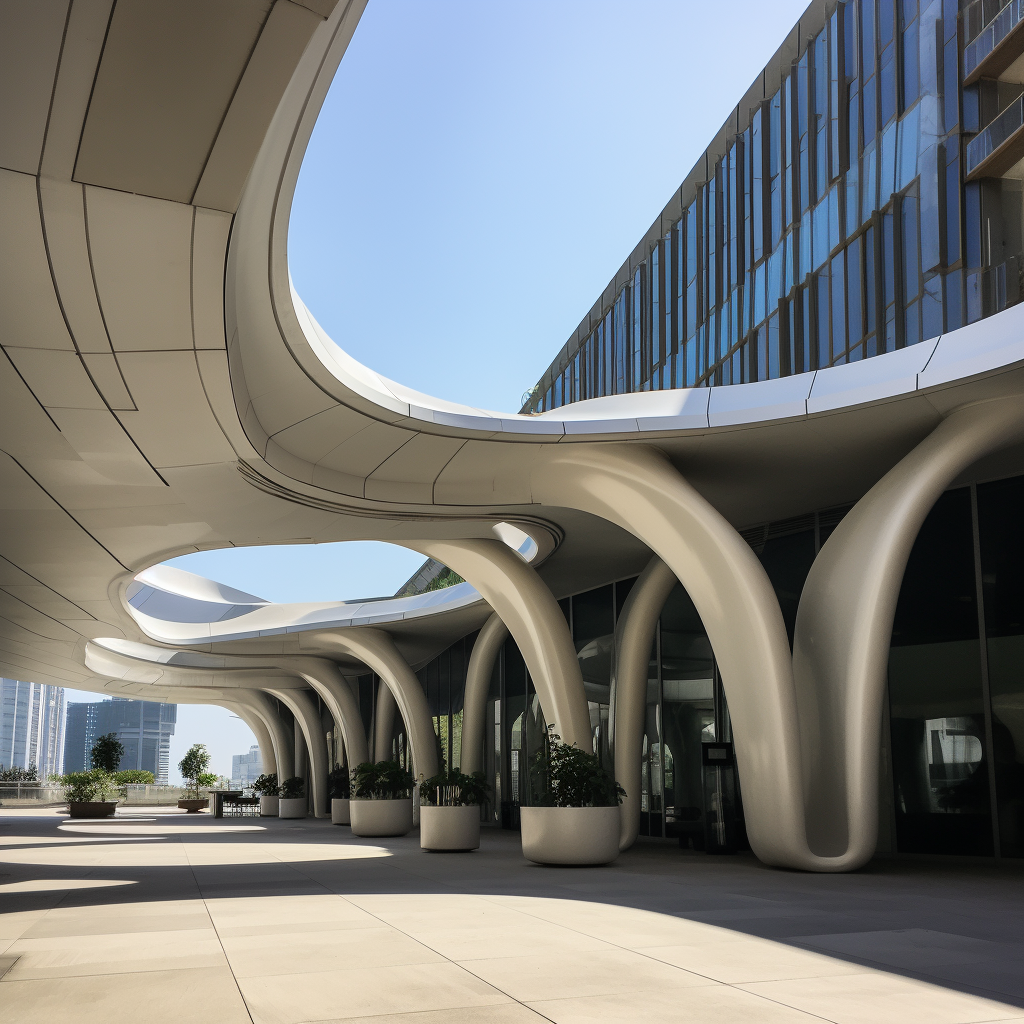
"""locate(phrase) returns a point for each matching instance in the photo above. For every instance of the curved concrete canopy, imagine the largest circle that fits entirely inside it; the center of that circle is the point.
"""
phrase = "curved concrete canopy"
(165, 390)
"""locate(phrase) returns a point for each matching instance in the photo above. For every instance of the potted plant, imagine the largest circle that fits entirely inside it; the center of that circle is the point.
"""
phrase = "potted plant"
(193, 770)
(339, 786)
(575, 817)
(450, 810)
(266, 788)
(293, 803)
(89, 794)
(381, 802)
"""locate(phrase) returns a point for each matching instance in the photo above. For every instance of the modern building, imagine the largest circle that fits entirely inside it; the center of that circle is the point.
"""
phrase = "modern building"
(143, 727)
(751, 540)
(246, 768)
(31, 726)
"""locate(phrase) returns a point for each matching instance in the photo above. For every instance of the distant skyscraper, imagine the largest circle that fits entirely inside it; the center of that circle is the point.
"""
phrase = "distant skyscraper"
(144, 728)
(31, 726)
(246, 768)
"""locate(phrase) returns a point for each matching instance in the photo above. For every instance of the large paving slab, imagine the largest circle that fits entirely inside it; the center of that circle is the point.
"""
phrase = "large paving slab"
(161, 917)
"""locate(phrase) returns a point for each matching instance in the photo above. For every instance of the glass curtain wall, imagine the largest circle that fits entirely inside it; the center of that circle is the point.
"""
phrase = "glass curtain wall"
(444, 683)
(829, 228)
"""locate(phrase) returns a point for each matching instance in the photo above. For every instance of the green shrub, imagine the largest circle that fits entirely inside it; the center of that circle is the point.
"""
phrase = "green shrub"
(134, 777)
(266, 785)
(453, 789)
(381, 780)
(96, 785)
(338, 783)
(16, 774)
(562, 775)
(293, 788)
(449, 578)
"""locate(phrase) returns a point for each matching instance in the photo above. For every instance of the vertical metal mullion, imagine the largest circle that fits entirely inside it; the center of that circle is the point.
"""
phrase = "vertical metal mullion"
(986, 693)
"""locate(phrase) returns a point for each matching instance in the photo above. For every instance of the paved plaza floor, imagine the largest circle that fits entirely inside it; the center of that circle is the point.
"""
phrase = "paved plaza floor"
(158, 917)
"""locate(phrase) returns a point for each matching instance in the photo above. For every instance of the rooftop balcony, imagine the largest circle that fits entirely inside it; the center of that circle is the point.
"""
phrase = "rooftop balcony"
(992, 152)
(999, 44)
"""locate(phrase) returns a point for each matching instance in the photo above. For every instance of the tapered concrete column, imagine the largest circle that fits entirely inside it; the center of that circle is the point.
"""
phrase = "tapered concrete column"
(637, 488)
(526, 606)
(844, 626)
(307, 718)
(634, 636)
(375, 649)
(478, 684)
(383, 723)
(251, 717)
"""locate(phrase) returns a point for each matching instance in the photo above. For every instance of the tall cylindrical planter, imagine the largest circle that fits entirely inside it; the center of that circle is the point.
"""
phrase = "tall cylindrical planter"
(570, 835)
(381, 817)
(269, 806)
(450, 828)
(292, 807)
(340, 814)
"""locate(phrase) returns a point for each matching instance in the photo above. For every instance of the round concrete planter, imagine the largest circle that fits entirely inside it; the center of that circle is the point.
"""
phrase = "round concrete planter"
(292, 807)
(450, 828)
(193, 806)
(268, 806)
(381, 817)
(91, 808)
(340, 814)
(570, 835)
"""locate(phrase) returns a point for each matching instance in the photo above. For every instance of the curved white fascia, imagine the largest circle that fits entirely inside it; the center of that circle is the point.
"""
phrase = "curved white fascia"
(178, 607)
(277, 619)
(987, 347)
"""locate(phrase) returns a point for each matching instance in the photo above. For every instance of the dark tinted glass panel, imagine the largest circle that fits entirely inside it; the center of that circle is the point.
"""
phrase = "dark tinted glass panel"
(688, 713)
(1000, 507)
(515, 728)
(593, 631)
(940, 773)
(787, 561)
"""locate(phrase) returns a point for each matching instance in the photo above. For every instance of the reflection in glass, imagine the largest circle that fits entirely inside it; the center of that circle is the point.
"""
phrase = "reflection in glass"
(940, 771)
(1002, 573)
(687, 667)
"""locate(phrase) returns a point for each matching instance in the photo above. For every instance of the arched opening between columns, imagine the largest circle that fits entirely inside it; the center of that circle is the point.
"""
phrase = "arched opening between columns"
(822, 759)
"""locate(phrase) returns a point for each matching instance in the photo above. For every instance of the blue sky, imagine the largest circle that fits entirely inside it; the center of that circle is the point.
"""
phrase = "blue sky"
(477, 175)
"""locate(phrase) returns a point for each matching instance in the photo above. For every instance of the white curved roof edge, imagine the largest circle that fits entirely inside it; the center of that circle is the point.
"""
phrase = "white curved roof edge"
(278, 619)
(178, 607)
(197, 588)
(985, 347)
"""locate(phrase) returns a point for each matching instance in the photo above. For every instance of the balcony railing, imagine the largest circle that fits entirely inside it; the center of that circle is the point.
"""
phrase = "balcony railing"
(994, 41)
(999, 146)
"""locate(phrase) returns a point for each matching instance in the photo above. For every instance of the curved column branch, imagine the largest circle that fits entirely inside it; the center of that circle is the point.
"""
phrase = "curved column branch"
(526, 606)
(844, 626)
(478, 685)
(377, 650)
(637, 488)
(323, 675)
(280, 736)
(307, 717)
(253, 719)
(634, 637)
(383, 723)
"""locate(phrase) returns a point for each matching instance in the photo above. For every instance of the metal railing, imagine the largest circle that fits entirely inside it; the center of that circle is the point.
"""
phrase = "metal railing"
(992, 35)
(35, 794)
(983, 145)
(977, 16)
